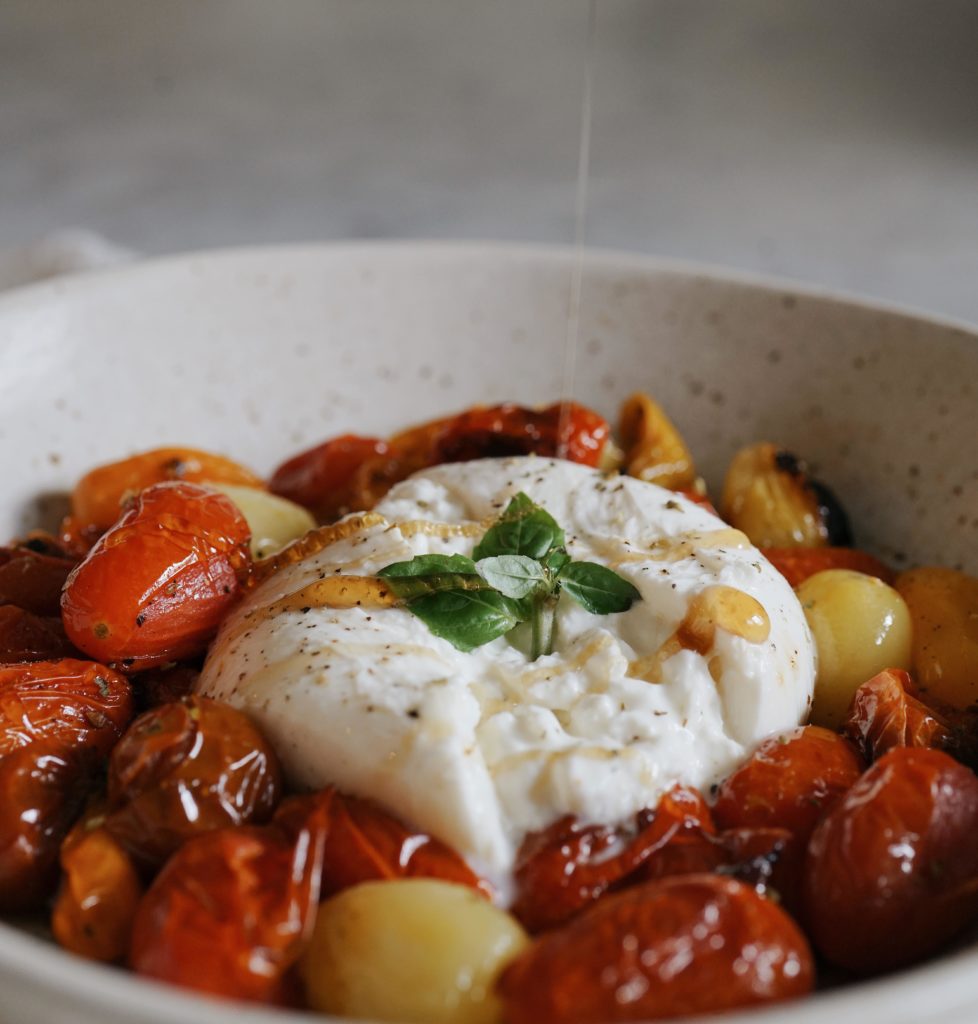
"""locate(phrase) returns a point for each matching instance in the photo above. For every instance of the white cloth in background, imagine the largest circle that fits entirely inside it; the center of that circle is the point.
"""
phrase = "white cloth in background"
(63, 252)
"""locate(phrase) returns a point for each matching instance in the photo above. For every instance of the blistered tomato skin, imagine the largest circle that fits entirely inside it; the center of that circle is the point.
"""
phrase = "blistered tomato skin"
(366, 844)
(892, 870)
(156, 586)
(43, 788)
(186, 768)
(78, 704)
(789, 782)
(567, 430)
(230, 914)
(567, 866)
(351, 473)
(886, 713)
(96, 502)
(676, 947)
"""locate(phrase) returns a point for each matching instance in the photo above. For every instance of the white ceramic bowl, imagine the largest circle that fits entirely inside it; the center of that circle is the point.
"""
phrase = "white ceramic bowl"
(258, 353)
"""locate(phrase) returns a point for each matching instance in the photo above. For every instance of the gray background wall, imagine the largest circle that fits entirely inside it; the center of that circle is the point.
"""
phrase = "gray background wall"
(834, 141)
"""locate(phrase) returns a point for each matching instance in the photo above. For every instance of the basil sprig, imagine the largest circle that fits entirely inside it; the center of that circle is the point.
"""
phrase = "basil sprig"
(516, 574)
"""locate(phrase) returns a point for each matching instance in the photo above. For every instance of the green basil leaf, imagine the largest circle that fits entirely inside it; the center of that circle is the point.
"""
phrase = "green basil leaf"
(428, 565)
(466, 618)
(514, 576)
(432, 574)
(555, 561)
(599, 589)
(524, 528)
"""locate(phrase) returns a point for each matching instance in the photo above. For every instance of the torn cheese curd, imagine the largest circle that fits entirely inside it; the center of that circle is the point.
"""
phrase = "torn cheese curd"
(482, 748)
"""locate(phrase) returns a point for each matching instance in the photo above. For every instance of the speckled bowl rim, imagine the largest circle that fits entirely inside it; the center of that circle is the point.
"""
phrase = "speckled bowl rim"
(598, 257)
(943, 986)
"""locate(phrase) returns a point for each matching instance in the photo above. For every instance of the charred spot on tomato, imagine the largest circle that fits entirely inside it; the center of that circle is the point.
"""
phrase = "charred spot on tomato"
(830, 510)
(771, 496)
(833, 515)
(788, 462)
(175, 468)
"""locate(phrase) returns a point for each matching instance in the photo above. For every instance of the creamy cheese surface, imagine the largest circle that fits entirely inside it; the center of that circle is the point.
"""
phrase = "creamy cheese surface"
(482, 748)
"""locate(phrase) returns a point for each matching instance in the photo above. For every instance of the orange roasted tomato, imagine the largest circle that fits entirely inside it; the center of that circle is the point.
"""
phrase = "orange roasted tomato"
(789, 782)
(78, 704)
(98, 498)
(43, 788)
(100, 891)
(363, 843)
(156, 586)
(676, 947)
(231, 913)
(186, 768)
(892, 870)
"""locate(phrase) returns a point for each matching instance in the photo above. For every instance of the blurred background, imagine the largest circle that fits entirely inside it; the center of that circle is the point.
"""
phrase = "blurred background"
(832, 141)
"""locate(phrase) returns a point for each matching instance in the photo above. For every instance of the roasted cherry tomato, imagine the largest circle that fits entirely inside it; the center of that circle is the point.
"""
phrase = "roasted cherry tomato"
(187, 768)
(351, 473)
(564, 429)
(231, 913)
(675, 947)
(892, 870)
(322, 479)
(27, 637)
(75, 703)
(97, 500)
(156, 586)
(886, 713)
(789, 782)
(33, 581)
(943, 607)
(797, 564)
(364, 843)
(100, 891)
(562, 869)
(42, 790)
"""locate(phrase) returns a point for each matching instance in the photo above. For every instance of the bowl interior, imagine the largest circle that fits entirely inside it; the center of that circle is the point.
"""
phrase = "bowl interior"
(258, 353)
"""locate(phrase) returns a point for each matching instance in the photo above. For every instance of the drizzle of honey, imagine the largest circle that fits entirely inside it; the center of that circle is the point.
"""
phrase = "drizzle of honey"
(673, 549)
(337, 592)
(332, 592)
(717, 607)
(312, 543)
(413, 527)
